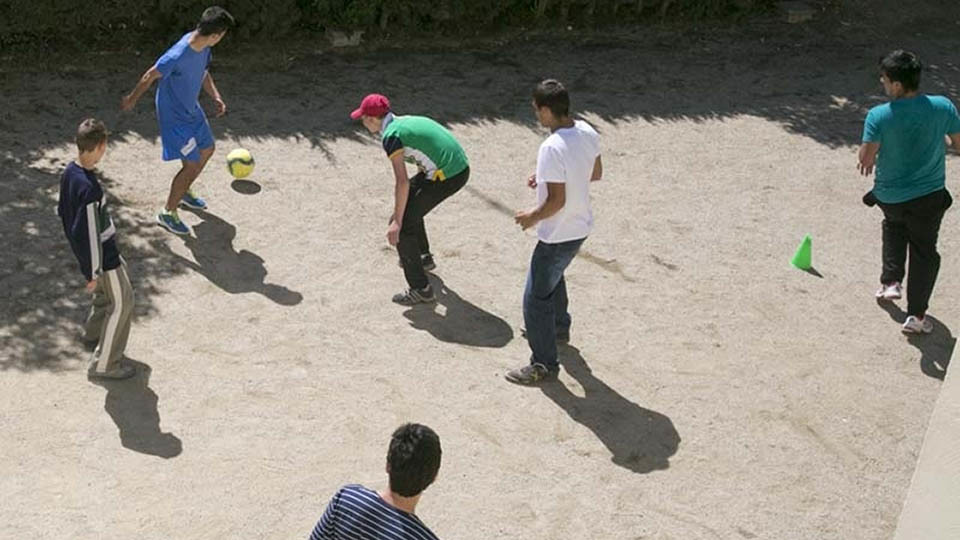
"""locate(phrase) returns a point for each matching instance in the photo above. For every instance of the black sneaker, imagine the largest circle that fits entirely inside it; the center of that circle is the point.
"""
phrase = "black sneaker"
(412, 297)
(531, 374)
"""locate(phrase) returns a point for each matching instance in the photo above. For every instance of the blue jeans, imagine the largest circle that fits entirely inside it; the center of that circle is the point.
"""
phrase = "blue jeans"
(545, 300)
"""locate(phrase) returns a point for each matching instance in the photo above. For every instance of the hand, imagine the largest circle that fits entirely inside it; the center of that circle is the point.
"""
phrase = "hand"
(393, 233)
(221, 107)
(525, 219)
(127, 103)
(532, 181)
(91, 285)
(865, 170)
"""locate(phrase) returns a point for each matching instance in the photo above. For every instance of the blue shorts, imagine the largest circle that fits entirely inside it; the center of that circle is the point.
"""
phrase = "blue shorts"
(184, 141)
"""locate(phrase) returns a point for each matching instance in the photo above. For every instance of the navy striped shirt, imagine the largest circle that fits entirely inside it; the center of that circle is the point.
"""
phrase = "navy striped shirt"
(358, 513)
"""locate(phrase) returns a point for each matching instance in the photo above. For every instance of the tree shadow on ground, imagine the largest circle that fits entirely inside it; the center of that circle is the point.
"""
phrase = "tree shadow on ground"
(936, 348)
(816, 80)
(232, 271)
(461, 321)
(132, 405)
(41, 288)
(639, 439)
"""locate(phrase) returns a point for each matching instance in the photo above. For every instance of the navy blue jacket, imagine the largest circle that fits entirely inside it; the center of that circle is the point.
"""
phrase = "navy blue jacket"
(86, 221)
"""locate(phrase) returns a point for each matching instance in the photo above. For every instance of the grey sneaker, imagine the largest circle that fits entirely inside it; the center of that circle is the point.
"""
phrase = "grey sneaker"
(913, 325)
(412, 297)
(890, 291)
(119, 371)
(531, 374)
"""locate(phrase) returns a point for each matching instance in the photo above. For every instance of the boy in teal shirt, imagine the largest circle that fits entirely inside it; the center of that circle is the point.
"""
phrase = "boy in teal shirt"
(904, 140)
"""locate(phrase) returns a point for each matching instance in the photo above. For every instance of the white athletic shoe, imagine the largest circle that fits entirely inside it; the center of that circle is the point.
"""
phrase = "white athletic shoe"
(892, 291)
(914, 325)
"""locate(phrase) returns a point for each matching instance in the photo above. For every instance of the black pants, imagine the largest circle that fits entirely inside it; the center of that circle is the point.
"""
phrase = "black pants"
(424, 196)
(914, 224)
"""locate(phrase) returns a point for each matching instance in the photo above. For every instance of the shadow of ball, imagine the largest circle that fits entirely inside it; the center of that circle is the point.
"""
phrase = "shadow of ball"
(247, 187)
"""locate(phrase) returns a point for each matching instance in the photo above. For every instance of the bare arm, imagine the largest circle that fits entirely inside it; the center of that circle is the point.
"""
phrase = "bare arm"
(556, 199)
(400, 195)
(953, 139)
(130, 100)
(867, 158)
(597, 170)
(211, 89)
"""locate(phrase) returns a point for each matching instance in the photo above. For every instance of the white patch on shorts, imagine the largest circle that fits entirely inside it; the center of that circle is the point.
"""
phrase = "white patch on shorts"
(189, 147)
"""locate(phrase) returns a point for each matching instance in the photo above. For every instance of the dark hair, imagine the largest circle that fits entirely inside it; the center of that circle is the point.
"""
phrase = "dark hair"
(552, 95)
(90, 134)
(903, 67)
(413, 459)
(214, 20)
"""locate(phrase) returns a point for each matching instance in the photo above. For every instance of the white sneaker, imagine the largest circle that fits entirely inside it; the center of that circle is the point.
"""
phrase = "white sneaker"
(914, 325)
(892, 291)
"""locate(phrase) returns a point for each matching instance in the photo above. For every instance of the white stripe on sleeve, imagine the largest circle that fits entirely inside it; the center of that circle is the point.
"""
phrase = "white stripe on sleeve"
(96, 262)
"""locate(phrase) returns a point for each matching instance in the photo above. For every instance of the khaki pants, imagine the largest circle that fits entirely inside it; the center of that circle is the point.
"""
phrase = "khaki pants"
(109, 319)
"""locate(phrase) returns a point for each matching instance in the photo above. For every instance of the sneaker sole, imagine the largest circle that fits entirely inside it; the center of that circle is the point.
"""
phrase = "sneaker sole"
(912, 332)
(167, 227)
(420, 302)
(516, 380)
(194, 206)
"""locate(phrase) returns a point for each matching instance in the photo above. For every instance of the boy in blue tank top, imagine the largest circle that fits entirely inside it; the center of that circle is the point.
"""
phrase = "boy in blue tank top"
(184, 130)
(903, 142)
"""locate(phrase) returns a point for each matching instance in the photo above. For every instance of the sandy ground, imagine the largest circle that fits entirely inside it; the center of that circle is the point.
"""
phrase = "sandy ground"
(710, 390)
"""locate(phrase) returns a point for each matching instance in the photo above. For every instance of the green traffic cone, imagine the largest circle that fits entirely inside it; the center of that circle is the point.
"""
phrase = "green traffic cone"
(803, 258)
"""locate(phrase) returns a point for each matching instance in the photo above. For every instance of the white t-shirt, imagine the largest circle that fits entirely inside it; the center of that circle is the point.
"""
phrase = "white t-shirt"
(567, 157)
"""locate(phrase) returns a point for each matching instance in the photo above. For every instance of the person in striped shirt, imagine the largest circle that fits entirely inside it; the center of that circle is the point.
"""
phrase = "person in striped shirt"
(358, 513)
(92, 235)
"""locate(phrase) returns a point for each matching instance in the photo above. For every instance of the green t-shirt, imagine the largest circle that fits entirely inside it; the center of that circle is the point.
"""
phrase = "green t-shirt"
(426, 144)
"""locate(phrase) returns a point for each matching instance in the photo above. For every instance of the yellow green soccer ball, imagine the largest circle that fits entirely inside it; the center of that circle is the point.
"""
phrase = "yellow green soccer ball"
(240, 163)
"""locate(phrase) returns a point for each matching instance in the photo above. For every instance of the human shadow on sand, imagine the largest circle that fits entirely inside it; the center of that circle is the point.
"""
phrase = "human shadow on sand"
(132, 405)
(461, 322)
(936, 348)
(640, 440)
(233, 271)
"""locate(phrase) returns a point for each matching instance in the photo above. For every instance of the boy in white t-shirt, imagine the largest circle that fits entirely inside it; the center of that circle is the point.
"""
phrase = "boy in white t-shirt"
(568, 161)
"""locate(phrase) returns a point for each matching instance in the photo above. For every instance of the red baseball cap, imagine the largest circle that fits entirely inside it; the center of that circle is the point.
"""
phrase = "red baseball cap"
(372, 105)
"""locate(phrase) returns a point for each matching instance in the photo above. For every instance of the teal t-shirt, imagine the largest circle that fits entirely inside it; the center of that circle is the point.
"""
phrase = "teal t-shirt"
(912, 158)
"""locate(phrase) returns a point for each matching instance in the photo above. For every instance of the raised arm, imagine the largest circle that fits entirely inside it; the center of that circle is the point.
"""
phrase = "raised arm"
(129, 101)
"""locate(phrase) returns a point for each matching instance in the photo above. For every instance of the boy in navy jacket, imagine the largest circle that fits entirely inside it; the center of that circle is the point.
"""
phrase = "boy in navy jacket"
(92, 236)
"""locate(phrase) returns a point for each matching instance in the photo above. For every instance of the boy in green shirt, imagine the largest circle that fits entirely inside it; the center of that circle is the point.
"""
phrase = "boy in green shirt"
(444, 169)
